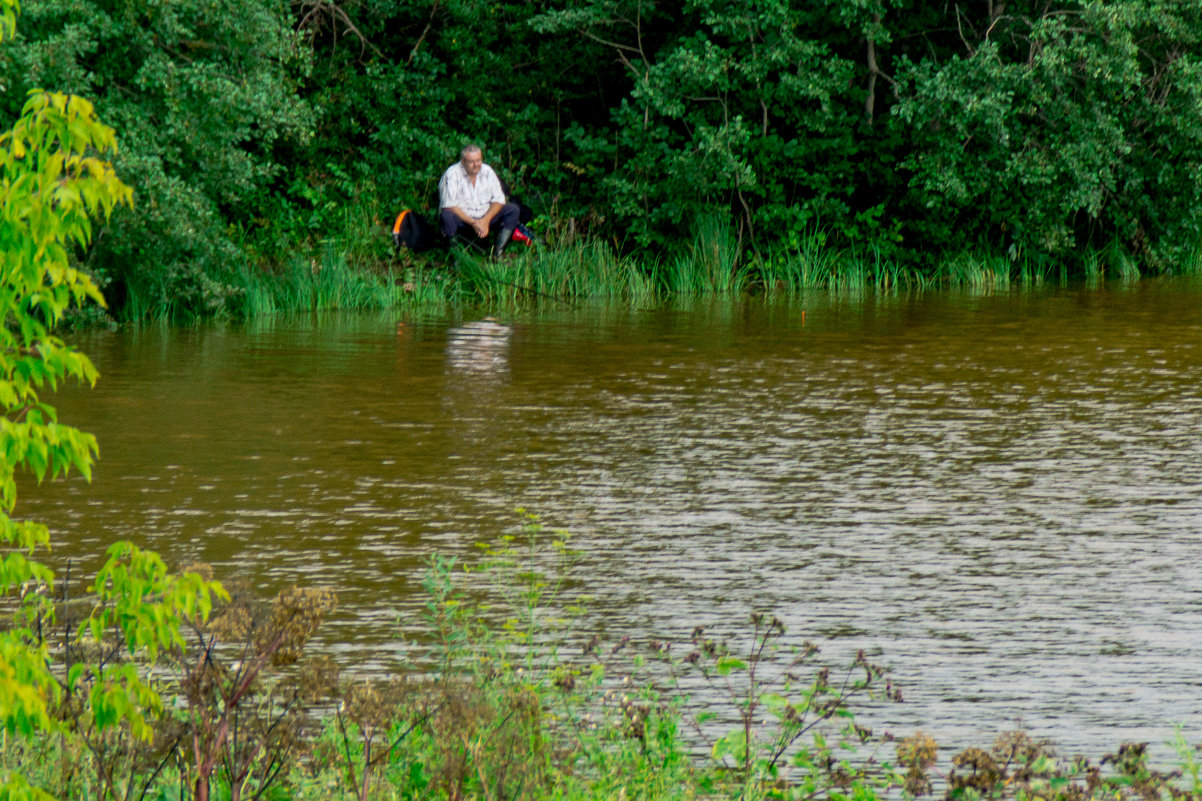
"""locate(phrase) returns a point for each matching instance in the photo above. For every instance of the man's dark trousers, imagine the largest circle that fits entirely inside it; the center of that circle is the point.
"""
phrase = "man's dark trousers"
(452, 226)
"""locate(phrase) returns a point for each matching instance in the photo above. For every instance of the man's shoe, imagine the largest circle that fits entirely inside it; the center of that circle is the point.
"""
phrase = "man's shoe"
(503, 237)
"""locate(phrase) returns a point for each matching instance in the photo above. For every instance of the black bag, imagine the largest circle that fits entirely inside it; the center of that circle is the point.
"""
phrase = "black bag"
(412, 231)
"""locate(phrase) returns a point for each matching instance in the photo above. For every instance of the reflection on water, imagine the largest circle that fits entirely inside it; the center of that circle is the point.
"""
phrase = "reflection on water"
(997, 496)
(479, 348)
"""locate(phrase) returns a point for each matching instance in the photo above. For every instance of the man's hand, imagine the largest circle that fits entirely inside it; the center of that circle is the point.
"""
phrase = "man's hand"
(480, 227)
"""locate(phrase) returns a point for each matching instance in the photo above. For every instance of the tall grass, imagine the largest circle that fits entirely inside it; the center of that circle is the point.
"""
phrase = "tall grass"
(986, 271)
(587, 270)
(1116, 261)
(1191, 263)
(323, 282)
(712, 263)
(359, 270)
(966, 270)
(814, 264)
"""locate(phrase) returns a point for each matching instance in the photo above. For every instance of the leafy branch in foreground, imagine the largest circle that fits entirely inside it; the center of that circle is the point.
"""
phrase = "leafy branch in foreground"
(53, 180)
(50, 183)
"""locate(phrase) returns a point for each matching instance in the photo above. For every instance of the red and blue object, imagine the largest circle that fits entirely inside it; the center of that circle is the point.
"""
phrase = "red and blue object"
(524, 235)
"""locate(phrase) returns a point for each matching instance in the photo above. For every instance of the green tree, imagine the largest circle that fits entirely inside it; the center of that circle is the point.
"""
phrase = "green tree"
(752, 109)
(424, 77)
(205, 95)
(256, 128)
(1047, 126)
(53, 179)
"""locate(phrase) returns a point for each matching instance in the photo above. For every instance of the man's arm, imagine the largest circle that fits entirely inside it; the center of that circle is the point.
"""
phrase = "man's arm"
(479, 225)
(493, 209)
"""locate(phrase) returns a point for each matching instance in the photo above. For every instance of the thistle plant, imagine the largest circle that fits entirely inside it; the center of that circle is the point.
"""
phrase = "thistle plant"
(792, 733)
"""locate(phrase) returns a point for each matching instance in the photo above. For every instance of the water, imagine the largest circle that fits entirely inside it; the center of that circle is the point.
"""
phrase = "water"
(997, 497)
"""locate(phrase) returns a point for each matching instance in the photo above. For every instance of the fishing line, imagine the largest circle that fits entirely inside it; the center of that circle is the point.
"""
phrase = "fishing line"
(483, 272)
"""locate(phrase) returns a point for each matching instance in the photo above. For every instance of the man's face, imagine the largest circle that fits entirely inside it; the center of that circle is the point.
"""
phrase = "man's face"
(472, 163)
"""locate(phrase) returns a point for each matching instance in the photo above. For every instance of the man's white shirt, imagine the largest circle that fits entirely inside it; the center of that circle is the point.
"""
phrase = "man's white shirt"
(455, 189)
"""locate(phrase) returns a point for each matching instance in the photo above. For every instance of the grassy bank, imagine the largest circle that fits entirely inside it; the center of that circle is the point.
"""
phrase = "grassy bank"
(507, 694)
(360, 270)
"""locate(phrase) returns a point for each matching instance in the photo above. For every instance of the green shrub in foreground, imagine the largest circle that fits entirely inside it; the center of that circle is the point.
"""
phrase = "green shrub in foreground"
(513, 700)
(507, 696)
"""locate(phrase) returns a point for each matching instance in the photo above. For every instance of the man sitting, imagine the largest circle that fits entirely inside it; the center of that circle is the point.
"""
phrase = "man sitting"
(470, 196)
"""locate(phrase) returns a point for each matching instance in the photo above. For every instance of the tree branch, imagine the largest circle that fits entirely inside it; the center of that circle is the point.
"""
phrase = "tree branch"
(425, 33)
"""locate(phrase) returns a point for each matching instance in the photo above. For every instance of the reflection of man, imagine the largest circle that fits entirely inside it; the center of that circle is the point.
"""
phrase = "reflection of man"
(480, 348)
(470, 196)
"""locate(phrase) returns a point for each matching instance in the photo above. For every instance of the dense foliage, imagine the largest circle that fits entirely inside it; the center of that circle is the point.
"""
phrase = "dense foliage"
(203, 94)
(257, 129)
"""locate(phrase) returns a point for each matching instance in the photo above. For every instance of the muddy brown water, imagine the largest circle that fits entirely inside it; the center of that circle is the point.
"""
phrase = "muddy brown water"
(999, 496)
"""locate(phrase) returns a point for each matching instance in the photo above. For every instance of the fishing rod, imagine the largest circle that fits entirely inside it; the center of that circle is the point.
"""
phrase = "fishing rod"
(398, 241)
(494, 279)
(530, 289)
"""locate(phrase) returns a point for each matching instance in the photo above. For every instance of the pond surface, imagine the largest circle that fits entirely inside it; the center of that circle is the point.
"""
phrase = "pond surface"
(998, 497)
